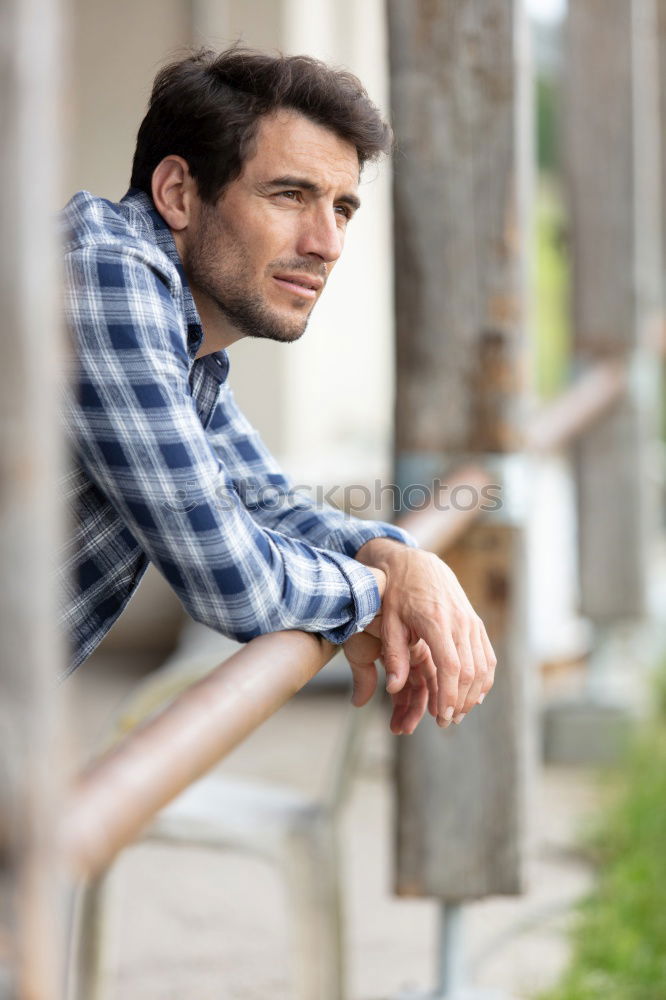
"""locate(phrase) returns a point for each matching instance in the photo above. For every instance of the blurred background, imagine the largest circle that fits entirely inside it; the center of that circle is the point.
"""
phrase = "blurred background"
(570, 574)
(349, 349)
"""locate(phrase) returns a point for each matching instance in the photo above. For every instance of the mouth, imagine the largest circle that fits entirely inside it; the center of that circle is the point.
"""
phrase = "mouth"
(306, 285)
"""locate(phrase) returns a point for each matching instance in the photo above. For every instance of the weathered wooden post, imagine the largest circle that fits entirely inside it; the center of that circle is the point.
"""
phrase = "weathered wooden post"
(661, 59)
(613, 189)
(614, 195)
(30, 943)
(661, 35)
(459, 86)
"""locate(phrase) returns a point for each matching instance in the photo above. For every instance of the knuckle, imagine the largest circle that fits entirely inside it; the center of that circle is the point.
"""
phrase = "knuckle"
(451, 669)
(459, 620)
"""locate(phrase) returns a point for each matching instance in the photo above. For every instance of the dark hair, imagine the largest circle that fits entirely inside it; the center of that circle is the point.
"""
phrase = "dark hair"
(207, 106)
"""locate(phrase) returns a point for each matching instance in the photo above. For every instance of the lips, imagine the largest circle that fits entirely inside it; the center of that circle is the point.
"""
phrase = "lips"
(305, 285)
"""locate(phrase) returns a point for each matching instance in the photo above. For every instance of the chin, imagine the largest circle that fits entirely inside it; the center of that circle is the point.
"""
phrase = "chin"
(285, 328)
(283, 336)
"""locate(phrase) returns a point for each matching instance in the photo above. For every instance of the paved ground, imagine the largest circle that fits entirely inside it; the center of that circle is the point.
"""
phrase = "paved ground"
(184, 921)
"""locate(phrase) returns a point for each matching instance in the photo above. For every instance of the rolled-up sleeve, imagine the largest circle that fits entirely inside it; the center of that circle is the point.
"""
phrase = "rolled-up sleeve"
(135, 427)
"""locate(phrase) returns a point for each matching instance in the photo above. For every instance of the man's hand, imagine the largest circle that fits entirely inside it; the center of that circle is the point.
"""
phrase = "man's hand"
(423, 600)
(410, 703)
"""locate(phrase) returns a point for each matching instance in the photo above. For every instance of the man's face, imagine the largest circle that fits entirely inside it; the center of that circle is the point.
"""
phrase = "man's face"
(262, 254)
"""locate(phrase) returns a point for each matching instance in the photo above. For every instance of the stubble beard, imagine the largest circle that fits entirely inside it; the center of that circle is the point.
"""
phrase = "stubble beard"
(229, 285)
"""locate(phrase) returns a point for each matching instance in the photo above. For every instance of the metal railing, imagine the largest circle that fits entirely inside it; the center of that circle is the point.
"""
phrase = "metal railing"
(117, 796)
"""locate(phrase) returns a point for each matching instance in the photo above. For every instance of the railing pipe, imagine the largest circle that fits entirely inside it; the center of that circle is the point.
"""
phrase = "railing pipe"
(578, 407)
(436, 529)
(118, 794)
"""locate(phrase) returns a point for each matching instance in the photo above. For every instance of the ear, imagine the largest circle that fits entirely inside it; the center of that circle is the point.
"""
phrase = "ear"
(174, 192)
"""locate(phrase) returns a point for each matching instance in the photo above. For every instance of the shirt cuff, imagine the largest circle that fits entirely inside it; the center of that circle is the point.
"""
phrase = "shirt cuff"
(365, 596)
(353, 538)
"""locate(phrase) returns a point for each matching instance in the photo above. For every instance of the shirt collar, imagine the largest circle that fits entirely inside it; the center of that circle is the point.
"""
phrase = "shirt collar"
(161, 235)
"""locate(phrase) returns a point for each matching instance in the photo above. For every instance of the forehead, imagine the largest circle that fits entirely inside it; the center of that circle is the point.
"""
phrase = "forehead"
(289, 144)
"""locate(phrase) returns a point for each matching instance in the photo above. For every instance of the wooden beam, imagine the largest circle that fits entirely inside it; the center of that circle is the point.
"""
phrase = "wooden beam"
(611, 127)
(461, 116)
(613, 190)
(30, 656)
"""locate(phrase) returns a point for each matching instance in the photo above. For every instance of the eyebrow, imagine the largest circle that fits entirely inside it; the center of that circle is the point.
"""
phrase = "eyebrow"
(306, 185)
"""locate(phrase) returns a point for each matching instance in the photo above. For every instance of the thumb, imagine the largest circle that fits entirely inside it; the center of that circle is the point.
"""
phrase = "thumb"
(361, 652)
(364, 681)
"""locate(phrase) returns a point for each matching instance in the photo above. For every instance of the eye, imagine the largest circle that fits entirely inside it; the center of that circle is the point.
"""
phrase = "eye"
(344, 211)
(290, 195)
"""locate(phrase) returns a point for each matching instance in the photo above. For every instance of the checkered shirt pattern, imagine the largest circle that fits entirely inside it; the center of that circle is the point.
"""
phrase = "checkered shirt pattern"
(166, 469)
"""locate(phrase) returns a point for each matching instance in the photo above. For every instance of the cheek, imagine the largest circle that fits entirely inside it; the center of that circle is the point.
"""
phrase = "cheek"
(250, 244)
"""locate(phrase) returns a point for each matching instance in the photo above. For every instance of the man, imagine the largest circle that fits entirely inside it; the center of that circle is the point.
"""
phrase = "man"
(244, 181)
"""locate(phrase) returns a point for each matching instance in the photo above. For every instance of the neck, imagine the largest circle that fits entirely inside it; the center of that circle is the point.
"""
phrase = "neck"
(218, 332)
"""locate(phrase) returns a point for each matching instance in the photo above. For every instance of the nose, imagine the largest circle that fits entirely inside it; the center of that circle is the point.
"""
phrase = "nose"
(321, 235)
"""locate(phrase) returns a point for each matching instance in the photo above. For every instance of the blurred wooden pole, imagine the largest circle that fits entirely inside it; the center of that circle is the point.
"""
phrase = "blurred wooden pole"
(661, 35)
(30, 945)
(613, 188)
(461, 114)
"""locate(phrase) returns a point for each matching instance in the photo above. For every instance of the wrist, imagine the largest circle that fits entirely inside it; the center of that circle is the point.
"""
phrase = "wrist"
(378, 552)
(380, 578)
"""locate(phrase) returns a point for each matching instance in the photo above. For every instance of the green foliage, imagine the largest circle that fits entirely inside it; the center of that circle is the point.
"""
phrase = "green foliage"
(619, 939)
(546, 124)
(551, 292)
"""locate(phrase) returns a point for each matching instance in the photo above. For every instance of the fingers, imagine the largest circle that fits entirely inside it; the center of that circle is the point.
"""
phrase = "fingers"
(469, 666)
(448, 666)
(395, 639)
(361, 651)
(419, 692)
(447, 671)
(420, 659)
(491, 660)
(409, 705)
(485, 660)
(465, 667)
(401, 702)
(481, 672)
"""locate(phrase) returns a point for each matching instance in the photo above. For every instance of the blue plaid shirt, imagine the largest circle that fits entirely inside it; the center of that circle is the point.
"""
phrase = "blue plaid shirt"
(166, 469)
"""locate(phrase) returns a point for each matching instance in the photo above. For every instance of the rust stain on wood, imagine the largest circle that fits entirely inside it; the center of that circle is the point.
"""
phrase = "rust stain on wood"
(494, 382)
(483, 562)
(410, 888)
(504, 310)
(498, 587)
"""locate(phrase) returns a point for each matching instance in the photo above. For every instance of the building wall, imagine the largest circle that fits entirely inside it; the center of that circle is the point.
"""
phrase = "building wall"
(324, 404)
(116, 50)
